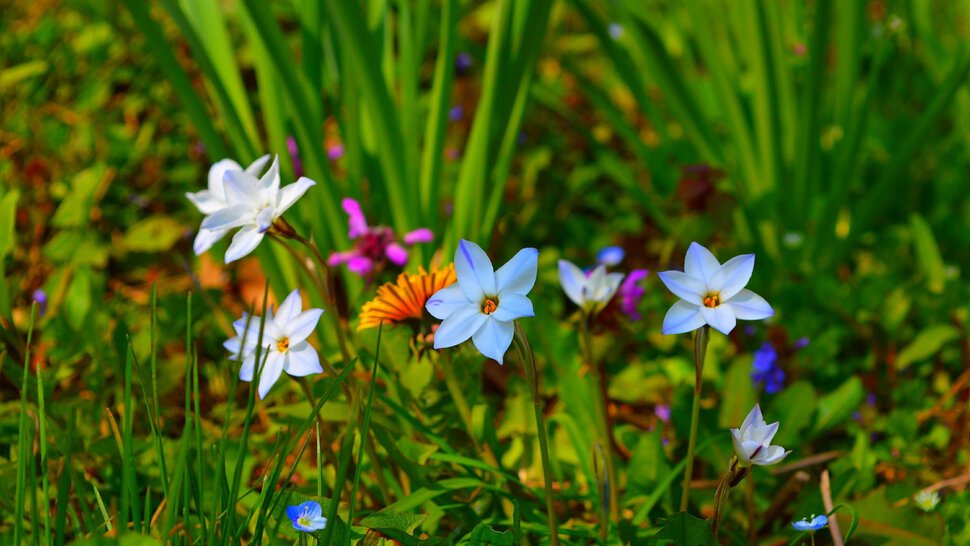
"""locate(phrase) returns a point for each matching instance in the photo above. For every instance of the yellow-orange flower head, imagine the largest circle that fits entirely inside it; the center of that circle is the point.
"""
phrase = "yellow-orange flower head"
(404, 299)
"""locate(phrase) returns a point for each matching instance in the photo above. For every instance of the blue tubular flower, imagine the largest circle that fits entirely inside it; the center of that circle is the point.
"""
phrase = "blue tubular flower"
(307, 517)
(484, 303)
(765, 369)
(711, 293)
(812, 523)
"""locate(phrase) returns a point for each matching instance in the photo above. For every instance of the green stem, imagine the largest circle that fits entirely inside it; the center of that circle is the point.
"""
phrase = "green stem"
(700, 351)
(723, 487)
(603, 419)
(527, 357)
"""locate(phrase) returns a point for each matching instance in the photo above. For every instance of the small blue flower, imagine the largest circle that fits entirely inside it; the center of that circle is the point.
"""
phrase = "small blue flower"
(463, 61)
(610, 256)
(616, 31)
(812, 524)
(41, 298)
(456, 113)
(307, 517)
(765, 369)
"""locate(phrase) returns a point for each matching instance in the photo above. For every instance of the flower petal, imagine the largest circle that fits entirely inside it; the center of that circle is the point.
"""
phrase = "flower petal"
(302, 360)
(289, 309)
(753, 419)
(270, 182)
(770, 455)
(294, 512)
(272, 370)
(247, 368)
(682, 317)
(513, 306)
(446, 301)
(397, 254)
(301, 326)
(216, 177)
(290, 193)
(684, 286)
(256, 167)
(611, 256)
(420, 235)
(459, 326)
(749, 306)
(244, 242)
(355, 218)
(494, 338)
(476, 276)
(229, 217)
(721, 318)
(700, 263)
(360, 265)
(240, 189)
(518, 275)
(572, 280)
(732, 276)
(206, 201)
(206, 238)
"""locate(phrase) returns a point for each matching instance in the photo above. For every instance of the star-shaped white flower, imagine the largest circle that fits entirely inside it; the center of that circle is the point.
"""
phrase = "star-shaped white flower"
(212, 199)
(591, 293)
(285, 345)
(752, 442)
(253, 204)
(711, 293)
(484, 303)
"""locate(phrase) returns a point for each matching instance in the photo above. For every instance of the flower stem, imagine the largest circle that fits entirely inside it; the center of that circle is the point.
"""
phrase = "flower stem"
(603, 418)
(464, 410)
(527, 357)
(723, 487)
(700, 351)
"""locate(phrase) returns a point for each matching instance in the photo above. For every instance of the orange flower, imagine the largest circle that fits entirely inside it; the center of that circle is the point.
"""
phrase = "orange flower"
(404, 300)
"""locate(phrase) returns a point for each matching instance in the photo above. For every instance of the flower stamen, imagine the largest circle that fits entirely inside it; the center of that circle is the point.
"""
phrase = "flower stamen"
(489, 305)
(283, 344)
(712, 299)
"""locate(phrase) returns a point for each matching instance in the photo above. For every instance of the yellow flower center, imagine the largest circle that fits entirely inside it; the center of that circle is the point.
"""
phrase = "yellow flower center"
(489, 305)
(283, 344)
(712, 300)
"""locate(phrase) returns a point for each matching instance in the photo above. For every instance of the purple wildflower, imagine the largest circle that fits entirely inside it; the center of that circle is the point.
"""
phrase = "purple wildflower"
(631, 292)
(295, 156)
(335, 151)
(456, 113)
(662, 411)
(463, 62)
(765, 369)
(800, 343)
(40, 297)
(610, 256)
(374, 246)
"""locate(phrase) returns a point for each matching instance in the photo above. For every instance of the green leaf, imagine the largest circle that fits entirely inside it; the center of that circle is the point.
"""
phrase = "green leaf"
(927, 343)
(154, 234)
(8, 213)
(484, 535)
(415, 451)
(389, 519)
(76, 206)
(838, 405)
(928, 254)
(794, 409)
(738, 394)
(686, 530)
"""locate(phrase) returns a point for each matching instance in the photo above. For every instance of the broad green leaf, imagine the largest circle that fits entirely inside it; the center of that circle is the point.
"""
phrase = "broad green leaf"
(684, 529)
(927, 343)
(838, 405)
(928, 254)
(794, 408)
(387, 519)
(76, 206)
(8, 216)
(484, 535)
(153, 234)
(738, 394)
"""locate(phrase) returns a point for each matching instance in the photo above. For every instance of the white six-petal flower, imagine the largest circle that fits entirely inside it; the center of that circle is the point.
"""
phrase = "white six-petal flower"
(252, 204)
(212, 199)
(484, 303)
(285, 345)
(590, 293)
(752, 442)
(711, 293)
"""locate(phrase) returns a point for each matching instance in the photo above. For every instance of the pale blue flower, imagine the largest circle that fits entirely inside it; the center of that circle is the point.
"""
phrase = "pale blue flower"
(813, 523)
(590, 292)
(752, 442)
(285, 345)
(307, 517)
(711, 293)
(611, 256)
(484, 303)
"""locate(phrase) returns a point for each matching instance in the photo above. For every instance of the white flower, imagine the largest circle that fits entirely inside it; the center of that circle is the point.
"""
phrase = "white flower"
(253, 204)
(711, 293)
(210, 200)
(927, 500)
(483, 304)
(752, 441)
(285, 345)
(590, 293)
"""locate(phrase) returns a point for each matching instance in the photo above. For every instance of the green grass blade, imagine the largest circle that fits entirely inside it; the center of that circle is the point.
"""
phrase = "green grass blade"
(22, 440)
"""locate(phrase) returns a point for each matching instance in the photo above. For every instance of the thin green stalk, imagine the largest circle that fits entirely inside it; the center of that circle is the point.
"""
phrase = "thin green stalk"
(363, 433)
(43, 455)
(527, 358)
(603, 417)
(701, 337)
(22, 452)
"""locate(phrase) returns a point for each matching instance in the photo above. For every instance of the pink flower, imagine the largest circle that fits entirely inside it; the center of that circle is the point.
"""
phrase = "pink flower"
(631, 293)
(374, 246)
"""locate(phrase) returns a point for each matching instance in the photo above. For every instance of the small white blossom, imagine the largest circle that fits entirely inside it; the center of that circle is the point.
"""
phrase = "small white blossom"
(591, 293)
(927, 500)
(752, 441)
(285, 345)
(212, 199)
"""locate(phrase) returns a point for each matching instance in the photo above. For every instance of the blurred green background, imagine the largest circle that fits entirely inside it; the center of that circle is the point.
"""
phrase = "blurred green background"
(830, 138)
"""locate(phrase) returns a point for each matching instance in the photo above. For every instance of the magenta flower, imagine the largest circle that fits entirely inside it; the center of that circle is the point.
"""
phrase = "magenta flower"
(631, 292)
(374, 246)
